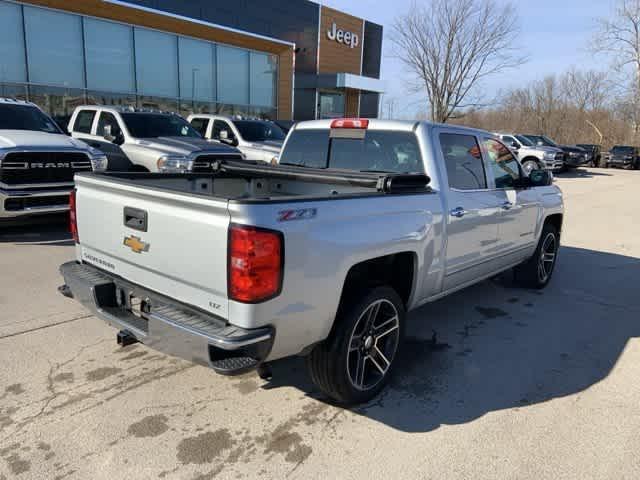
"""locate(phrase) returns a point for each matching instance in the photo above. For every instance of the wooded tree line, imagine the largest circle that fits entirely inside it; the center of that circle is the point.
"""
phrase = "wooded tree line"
(575, 107)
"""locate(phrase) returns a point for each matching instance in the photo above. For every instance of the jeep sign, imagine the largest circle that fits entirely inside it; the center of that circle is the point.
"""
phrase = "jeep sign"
(340, 36)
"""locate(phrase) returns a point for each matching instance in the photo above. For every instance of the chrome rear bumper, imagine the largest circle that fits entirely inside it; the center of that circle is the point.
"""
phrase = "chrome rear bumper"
(167, 326)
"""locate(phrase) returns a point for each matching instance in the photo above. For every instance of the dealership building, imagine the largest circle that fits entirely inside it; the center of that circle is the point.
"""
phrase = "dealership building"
(284, 59)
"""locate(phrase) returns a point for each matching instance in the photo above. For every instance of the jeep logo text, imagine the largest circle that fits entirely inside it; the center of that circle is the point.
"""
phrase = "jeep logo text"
(340, 36)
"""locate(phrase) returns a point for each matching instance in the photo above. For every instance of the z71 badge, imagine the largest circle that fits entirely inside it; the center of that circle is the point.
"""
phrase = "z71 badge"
(303, 214)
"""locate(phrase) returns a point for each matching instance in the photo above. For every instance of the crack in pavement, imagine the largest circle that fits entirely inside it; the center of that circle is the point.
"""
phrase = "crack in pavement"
(10, 335)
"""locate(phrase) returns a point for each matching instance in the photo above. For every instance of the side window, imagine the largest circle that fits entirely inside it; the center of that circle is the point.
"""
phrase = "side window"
(218, 126)
(108, 119)
(84, 121)
(505, 168)
(510, 141)
(463, 161)
(200, 124)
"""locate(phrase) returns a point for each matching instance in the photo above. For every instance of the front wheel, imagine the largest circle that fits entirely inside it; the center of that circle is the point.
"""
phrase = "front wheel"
(354, 364)
(537, 271)
(530, 165)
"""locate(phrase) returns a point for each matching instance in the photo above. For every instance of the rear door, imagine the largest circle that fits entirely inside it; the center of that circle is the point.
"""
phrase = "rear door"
(172, 243)
(473, 210)
(521, 208)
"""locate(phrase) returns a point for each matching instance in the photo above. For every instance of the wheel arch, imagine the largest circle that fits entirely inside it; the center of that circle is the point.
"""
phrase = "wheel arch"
(397, 270)
(556, 220)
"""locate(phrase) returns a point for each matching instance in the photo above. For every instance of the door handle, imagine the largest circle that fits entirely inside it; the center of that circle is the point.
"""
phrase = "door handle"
(507, 205)
(458, 212)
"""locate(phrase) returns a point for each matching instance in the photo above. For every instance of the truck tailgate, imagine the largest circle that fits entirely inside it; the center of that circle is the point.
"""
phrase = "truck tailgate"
(183, 252)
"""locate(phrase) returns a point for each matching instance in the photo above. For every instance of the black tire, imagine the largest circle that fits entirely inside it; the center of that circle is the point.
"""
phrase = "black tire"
(529, 274)
(331, 362)
(138, 169)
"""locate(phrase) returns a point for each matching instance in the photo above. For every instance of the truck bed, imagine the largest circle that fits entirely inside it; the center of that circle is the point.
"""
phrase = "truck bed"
(251, 182)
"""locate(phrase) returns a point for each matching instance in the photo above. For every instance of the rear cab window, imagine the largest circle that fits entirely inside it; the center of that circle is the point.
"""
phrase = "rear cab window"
(200, 125)
(361, 150)
(463, 161)
(84, 121)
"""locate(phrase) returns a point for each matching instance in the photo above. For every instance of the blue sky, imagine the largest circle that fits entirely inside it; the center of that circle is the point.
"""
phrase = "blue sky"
(555, 35)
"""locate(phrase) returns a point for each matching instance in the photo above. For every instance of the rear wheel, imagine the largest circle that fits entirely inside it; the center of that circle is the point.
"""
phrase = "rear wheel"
(536, 272)
(354, 364)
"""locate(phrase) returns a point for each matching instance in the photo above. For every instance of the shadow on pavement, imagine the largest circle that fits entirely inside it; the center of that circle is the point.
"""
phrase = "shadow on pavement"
(51, 230)
(497, 346)
(582, 173)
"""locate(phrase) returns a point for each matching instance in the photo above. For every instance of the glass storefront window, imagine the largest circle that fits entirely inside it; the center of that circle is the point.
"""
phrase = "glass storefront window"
(54, 47)
(158, 103)
(197, 72)
(108, 98)
(233, 75)
(127, 65)
(156, 63)
(57, 102)
(263, 79)
(12, 59)
(109, 48)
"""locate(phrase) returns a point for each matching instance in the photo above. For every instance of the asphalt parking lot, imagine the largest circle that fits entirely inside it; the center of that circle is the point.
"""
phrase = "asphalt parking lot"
(517, 384)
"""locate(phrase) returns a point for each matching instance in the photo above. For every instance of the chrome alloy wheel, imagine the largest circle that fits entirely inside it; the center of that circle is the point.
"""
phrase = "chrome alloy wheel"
(373, 344)
(547, 259)
(530, 166)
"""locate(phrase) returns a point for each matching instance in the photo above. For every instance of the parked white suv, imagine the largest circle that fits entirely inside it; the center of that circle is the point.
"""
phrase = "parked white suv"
(259, 140)
(138, 140)
(531, 156)
(38, 161)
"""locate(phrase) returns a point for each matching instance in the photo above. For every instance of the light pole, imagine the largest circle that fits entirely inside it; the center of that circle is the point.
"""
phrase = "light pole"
(193, 88)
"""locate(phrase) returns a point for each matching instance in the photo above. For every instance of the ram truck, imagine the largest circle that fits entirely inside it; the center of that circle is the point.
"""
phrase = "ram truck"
(321, 255)
(532, 156)
(143, 140)
(38, 162)
(259, 140)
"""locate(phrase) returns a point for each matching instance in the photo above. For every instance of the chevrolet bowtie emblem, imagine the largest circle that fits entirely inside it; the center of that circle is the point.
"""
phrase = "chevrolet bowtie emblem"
(136, 244)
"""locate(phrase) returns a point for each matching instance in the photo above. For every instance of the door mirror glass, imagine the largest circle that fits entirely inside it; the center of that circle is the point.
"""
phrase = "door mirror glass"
(515, 145)
(106, 133)
(540, 178)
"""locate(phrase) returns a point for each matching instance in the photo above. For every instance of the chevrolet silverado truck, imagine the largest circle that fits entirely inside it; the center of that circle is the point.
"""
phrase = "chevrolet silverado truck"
(321, 255)
(141, 140)
(257, 139)
(38, 162)
(532, 156)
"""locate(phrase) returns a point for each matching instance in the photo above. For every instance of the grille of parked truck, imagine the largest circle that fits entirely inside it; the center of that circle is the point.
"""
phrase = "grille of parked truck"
(573, 156)
(321, 255)
(38, 161)
(142, 140)
(257, 139)
(624, 156)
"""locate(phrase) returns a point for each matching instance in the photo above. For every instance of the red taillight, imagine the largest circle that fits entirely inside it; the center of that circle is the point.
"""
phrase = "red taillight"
(73, 220)
(255, 264)
(361, 123)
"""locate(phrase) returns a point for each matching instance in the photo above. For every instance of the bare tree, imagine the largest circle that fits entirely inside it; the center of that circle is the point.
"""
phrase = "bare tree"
(450, 46)
(619, 37)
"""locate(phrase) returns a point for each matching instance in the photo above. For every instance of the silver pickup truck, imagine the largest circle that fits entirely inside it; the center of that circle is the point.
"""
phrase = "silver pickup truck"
(320, 256)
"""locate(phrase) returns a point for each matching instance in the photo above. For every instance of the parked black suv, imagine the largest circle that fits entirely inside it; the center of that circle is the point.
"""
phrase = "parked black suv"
(594, 155)
(624, 156)
(573, 156)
